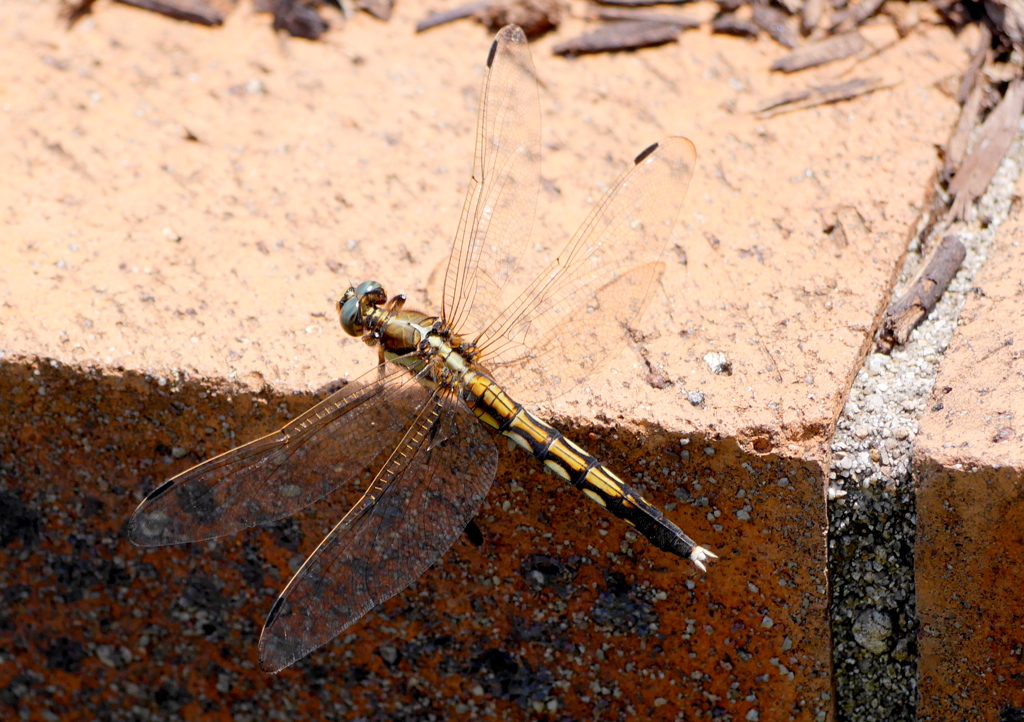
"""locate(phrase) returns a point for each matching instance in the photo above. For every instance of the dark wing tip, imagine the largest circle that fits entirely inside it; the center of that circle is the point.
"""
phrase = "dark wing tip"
(274, 611)
(275, 654)
(158, 492)
(508, 34)
(645, 152)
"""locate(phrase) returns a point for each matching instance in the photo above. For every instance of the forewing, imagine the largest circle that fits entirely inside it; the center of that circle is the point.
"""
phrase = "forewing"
(576, 314)
(498, 213)
(417, 506)
(284, 472)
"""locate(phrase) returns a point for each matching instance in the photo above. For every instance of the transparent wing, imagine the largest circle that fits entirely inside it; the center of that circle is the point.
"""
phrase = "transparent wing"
(575, 315)
(284, 472)
(419, 503)
(498, 213)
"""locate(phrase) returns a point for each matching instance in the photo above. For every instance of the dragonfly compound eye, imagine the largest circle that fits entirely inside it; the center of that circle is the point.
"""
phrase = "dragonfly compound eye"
(345, 297)
(351, 316)
(372, 291)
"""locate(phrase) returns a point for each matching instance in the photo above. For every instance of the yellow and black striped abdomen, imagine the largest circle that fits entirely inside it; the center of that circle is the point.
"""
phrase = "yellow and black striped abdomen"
(502, 414)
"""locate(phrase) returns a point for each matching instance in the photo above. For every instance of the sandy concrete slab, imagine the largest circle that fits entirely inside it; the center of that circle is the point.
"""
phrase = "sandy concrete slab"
(969, 462)
(185, 205)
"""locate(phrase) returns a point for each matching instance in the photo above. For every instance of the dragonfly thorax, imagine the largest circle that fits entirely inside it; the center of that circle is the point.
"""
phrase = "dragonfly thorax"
(365, 311)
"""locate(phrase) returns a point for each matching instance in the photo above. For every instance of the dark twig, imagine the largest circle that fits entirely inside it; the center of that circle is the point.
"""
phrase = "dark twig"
(912, 307)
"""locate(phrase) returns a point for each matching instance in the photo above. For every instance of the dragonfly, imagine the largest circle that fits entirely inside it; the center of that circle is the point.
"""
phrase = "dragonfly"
(417, 433)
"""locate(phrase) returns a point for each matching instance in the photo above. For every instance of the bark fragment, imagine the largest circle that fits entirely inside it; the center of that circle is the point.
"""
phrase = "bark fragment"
(997, 132)
(682, 21)
(836, 47)
(819, 95)
(202, 12)
(913, 306)
(775, 23)
(623, 35)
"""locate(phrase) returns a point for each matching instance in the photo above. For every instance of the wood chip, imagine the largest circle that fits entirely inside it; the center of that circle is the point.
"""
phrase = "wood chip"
(641, 3)
(956, 148)
(810, 15)
(632, 14)
(298, 19)
(1008, 17)
(463, 11)
(775, 23)
(905, 313)
(994, 140)
(820, 95)
(623, 35)
(74, 10)
(535, 17)
(905, 15)
(202, 12)
(380, 9)
(982, 54)
(836, 47)
(854, 15)
(731, 24)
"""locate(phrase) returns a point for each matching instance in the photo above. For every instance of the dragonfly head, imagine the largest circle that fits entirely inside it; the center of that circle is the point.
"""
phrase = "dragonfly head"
(357, 303)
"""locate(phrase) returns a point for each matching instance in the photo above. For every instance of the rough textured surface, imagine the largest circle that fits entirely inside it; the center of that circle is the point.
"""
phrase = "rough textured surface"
(186, 204)
(873, 515)
(556, 610)
(969, 459)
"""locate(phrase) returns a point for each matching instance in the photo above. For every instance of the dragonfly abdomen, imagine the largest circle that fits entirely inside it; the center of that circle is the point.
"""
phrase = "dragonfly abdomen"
(502, 414)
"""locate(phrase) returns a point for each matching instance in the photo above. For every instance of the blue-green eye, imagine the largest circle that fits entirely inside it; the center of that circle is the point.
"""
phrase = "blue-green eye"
(351, 318)
(372, 291)
(366, 287)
